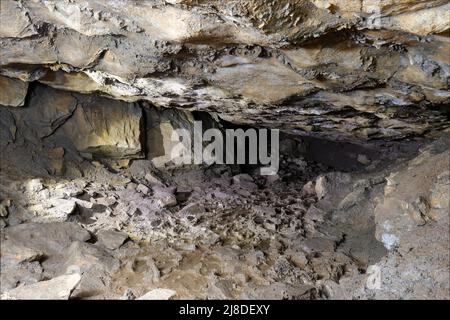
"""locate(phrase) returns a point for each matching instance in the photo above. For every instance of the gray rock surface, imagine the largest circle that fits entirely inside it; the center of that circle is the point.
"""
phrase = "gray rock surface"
(59, 288)
(340, 69)
(111, 239)
(13, 92)
(92, 206)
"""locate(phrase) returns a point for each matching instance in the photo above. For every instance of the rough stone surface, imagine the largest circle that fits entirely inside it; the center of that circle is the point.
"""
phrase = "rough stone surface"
(353, 70)
(414, 231)
(278, 241)
(50, 238)
(92, 124)
(92, 207)
(59, 288)
(158, 294)
(112, 239)
(13, 92)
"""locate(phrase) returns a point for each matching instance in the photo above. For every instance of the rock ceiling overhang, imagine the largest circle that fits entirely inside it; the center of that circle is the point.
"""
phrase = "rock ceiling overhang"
(352, 69)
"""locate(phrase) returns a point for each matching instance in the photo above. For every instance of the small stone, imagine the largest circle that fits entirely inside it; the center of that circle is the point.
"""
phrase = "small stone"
(243, 177)
(352, 199)
(164, 197)
(34, 185)
(140, 168)
(105, 201)
(183, 193)
(97, 164)
(83, 203)
(111, 239)
(243, 192)
(362, 158)
(158, 294)
(186, 246)
(13, 91)
(191, 210)
(152, 180)
(61, 207)
(131, 186)
(4, 208)
(320, 187)
(87, 257)
(120, 164)
(128, 295)
(309, 188)
(298, 259)
(15, 253)
(270, 226)
(143, 189)
(272, 179)
(315, 214)
(57, 160)
(86, 155)
(302, 164)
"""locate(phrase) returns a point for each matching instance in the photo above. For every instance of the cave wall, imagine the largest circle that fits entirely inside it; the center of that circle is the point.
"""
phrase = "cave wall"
(56, 127)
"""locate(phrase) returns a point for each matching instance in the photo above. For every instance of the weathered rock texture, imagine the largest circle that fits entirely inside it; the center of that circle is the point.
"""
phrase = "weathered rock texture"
(352, 69)
(92, 124)
(92, 90)
(218, 233)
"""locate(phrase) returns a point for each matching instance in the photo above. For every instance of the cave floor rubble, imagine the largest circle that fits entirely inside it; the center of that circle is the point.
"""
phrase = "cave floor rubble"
(221, 233)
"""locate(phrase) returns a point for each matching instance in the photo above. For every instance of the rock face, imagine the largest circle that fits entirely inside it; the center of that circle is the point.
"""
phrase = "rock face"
(90, 124)
(13, 92)
(353, 70)
(58, 288)
(221, 233)
(412, 222)
(93, 91)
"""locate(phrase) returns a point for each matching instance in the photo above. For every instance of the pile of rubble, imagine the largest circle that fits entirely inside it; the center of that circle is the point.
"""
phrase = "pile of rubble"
(217, 232)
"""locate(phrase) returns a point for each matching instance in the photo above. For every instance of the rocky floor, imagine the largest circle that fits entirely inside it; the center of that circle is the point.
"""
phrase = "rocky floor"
(224, 232)
(92, 92)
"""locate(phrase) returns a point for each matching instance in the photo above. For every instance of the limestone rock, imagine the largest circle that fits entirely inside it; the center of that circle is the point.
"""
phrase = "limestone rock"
(12, 92)
(95, 264)
(158, 294)
(86, 256)
(34, 185)
(14, 253)
(164, 197)
(49, 238)
(95, 125)
(59, 288)
(356, 86)
(415, 235)
(143, 189)
(346, 70)
(8, 127)
(161, 130)
(244, 181)
(410, 199)
(24, 273)
(331, 184)
(111, 239)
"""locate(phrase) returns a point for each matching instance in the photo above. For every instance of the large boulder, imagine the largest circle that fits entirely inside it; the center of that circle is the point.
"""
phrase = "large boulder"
(91, 124)
(12, 92)
(46, 238)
